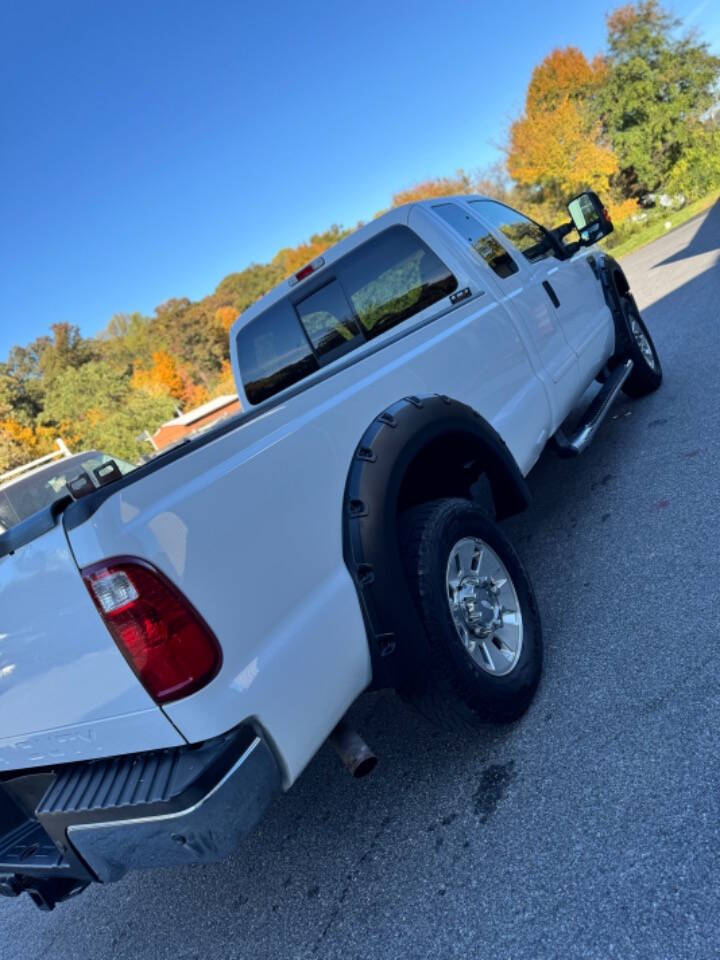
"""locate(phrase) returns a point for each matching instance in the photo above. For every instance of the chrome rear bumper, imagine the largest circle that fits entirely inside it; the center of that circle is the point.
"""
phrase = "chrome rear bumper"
(95, 821)
(208, 830)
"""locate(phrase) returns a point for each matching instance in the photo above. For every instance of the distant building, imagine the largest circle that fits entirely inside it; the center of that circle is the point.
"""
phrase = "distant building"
(195, 420)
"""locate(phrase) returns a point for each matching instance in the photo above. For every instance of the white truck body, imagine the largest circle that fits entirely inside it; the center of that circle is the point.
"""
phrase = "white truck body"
(248, 524)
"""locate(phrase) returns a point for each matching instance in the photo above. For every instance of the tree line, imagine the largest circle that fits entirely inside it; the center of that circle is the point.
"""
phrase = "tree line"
(634, 121)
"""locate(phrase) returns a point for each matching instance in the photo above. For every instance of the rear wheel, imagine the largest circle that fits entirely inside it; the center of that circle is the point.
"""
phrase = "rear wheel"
(479, 611)
(646, 375)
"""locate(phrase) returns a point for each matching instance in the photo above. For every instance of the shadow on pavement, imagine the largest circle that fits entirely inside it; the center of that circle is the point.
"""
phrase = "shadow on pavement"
(705, 240)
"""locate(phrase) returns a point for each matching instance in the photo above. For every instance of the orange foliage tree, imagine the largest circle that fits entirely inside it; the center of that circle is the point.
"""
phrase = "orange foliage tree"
(193, 394)
(226, 381)
(167, 378)
(292, 259)
(564, 73)
(226, 317)
(20, 444)
(435, 187)
(162, 377)
(557, 147)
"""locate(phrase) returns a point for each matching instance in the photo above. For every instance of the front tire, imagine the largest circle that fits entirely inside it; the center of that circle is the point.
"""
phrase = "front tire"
(647, 374)
(479, 612)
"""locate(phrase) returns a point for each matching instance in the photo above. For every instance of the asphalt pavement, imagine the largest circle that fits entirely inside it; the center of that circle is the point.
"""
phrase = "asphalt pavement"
(591, 829)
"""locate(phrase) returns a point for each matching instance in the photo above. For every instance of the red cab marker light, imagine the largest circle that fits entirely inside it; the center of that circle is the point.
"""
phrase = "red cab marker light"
(307, 270)
(164, 639)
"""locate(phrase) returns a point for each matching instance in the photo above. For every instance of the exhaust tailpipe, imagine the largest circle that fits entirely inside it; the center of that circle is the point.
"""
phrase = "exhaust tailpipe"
(357, 757)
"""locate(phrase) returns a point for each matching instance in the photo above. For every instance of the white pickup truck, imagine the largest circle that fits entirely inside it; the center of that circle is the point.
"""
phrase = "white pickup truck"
(176, 643)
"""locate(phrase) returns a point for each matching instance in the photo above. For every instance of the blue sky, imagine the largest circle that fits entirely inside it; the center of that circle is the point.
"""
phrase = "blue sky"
(149, 148)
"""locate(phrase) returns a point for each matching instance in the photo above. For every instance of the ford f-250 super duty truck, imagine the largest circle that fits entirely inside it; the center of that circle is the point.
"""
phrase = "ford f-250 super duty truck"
(176, 643)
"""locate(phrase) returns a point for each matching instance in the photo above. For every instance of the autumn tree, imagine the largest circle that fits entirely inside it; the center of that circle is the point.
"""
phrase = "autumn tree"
(20, 443)
(193, 394)
(492, 181)
(434, 187)
(190, 333)
(292, 259)
(226, 317)
(21, 439)
(226, 382)
(161, 379)
(564, 74)
(557, 147)
(241, 290)
(16, 443)
(166, 378)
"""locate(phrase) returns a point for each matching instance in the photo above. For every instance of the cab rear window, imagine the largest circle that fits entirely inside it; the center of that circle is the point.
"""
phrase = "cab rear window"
(328, 321)
(274, 353)
(392, 277)
(388, 279)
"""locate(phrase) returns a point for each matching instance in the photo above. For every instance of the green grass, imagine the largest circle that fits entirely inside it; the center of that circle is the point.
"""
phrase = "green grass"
(633, 236)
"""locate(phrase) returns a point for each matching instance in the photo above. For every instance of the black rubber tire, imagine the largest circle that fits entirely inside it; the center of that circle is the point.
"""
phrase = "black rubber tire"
(455, 691)
(643, 379)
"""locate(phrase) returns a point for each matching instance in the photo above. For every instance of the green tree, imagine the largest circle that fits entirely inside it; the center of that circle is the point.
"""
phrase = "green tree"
(64, 348)
(241, 290)
(660, 85)
(95, 406)
(128, 341)
(21, 384)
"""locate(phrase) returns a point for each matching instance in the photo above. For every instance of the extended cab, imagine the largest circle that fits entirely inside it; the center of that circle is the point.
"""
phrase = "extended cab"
(177, 644)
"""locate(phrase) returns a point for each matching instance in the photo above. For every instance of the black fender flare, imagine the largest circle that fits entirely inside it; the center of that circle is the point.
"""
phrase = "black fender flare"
(398, 645)
(615, 286)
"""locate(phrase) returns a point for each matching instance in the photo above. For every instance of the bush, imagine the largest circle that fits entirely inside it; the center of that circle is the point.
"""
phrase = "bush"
(697, 173)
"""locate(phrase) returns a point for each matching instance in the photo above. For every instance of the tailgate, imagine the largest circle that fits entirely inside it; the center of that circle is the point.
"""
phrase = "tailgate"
(66, 692)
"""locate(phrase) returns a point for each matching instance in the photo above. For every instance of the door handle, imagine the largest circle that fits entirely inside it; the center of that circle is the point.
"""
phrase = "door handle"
(551, 293)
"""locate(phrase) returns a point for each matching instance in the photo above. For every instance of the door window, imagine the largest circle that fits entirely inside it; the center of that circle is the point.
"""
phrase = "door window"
(525, 235)
(484, 243)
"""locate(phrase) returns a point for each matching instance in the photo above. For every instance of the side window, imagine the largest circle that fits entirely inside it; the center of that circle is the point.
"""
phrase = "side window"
(482, 242)
(329, 322)
(525, 235)
(273, 353)
(392, 277)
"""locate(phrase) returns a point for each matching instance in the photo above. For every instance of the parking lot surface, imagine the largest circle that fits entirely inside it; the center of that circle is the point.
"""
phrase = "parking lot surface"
(591, 829)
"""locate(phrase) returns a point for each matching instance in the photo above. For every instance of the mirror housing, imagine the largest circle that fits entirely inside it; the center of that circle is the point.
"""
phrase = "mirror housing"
(589, 217)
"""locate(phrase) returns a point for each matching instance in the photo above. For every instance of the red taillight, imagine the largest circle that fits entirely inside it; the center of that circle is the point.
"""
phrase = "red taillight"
(165, 641)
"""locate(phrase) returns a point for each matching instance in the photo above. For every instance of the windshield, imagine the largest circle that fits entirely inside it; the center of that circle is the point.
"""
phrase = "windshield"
(21, 498)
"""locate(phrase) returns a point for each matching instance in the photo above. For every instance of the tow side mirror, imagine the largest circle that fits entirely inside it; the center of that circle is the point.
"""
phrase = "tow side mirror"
(589, 217)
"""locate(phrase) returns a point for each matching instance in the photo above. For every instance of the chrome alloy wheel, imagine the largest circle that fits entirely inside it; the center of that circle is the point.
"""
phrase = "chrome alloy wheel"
(484, 606)
(643, 342)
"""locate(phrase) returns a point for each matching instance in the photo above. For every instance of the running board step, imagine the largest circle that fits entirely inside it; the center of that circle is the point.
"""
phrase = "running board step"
(595, 414)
